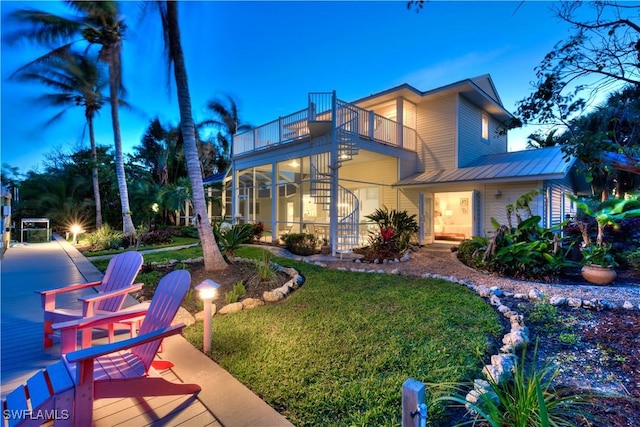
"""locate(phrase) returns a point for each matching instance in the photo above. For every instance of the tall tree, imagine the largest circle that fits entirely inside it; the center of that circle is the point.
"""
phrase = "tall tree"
(97, 23)
(74, 80)
(602, 53)
(213, 259)
(225, 119)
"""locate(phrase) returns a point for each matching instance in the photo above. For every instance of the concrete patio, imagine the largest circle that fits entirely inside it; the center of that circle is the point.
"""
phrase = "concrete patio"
(25, 268)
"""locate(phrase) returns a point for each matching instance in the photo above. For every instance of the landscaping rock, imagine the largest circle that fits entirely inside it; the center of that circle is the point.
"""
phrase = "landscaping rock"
(250, 303)
(200, 315)
(231, 308)
(535, 294)
(272, 296)
(574, 302)
(558, 301)
(183, 316)
(627, 305)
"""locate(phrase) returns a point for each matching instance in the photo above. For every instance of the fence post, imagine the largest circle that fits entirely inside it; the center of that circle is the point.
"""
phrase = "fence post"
(414, 410)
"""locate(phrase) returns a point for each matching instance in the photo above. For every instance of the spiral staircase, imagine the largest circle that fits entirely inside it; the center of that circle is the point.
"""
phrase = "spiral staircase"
(324, 168)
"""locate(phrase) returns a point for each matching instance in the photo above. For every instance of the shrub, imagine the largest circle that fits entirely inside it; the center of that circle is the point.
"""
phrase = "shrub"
(300, 243)
(469, 250)
(230, 237)
(258, 230)
(157, 237)
(105, 238)
(266, 270)
(235, 293)
(396, 230)
(633, 259)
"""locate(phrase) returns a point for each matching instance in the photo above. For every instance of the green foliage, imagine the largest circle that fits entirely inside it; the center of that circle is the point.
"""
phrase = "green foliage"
(598, 255)
(337, 351)
(529, 399)
(230, 237)
(236, 293)
(300, 243)
(526, 251)
(470, 250)
(396, 230)
(633, 259)
(266, 270)
(105, 238)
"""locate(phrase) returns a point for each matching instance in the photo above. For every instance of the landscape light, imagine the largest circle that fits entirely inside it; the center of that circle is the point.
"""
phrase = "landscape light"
(207, 291)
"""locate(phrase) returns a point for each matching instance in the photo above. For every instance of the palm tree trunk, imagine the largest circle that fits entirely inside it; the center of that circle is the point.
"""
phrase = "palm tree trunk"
(127, 222)
(94, 173)
(213, 259)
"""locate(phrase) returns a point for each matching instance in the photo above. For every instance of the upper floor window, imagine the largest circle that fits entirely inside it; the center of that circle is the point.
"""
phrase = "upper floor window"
(485, 127)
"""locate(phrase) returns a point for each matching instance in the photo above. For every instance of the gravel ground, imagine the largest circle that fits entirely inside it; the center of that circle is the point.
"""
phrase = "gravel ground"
(447, 264)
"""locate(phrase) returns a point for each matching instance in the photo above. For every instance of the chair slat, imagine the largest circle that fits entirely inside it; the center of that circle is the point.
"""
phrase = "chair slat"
(122, 275)
(59, 377)
(38, 389)
(16, 403)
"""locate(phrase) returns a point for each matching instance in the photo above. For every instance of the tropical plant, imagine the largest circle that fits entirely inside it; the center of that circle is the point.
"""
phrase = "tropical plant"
(226, 121)
(105, 238)
(530, 399)
(213, 259)
(97, 23)
(236, 293)
(266, 270)
(74, 80)
(395, 231)
(609, 213)
(229, 238)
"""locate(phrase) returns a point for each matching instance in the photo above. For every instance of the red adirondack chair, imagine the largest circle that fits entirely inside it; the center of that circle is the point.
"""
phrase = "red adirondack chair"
(121, 369)
(112, 290)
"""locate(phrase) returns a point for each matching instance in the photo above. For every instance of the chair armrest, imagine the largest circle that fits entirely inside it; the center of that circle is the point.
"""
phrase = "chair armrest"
(96, 321)
(88, 302)
(101, 350)
(68, 288)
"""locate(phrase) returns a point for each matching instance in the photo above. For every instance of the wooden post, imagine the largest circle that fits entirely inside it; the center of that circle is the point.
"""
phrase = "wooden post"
(413, 404)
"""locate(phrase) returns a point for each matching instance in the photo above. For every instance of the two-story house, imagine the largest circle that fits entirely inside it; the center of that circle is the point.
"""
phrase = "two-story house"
(439, 154)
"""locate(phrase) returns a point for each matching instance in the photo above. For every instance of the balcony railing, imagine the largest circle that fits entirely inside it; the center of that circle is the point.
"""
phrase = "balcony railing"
(294, 127)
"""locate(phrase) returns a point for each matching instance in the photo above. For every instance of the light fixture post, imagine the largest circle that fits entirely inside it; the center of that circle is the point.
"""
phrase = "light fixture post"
(207, 290)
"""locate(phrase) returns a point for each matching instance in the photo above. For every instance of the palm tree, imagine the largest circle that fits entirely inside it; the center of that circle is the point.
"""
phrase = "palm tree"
(213, 259)
(97, 23)
(76, 80)
(226, 121)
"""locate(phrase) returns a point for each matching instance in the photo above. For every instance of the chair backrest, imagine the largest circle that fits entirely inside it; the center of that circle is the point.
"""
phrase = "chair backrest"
(121, 272)
(163, 308)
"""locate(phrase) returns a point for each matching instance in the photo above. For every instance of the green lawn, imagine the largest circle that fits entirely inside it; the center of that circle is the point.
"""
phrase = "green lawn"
(177, 241)
(337, 351)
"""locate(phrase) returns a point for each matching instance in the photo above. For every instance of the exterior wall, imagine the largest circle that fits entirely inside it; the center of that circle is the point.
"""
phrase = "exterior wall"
(382, 172)
(494, 206)
(486, 86)
(559, 204)
(436, 127)
(471, 144)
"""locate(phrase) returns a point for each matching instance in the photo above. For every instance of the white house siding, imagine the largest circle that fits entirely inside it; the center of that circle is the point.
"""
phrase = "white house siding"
(382, 173)
(436, 133)
(485, 84)
(559, 208)
(470, 142)
(509, 193)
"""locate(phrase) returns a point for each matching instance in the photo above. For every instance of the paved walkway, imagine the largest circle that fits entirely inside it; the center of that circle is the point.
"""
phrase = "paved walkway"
(28, 267)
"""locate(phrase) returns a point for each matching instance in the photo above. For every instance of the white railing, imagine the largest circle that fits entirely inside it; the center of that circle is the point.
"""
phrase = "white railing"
(295, 126)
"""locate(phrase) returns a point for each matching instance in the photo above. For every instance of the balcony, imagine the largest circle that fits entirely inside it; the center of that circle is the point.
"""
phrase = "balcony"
(295, 127)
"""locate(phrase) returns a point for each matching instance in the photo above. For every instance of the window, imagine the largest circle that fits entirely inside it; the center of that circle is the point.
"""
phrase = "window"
(485, 127)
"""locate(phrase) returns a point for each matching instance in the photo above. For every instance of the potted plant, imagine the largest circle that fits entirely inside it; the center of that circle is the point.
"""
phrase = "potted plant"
(325, 249)
(598, 264)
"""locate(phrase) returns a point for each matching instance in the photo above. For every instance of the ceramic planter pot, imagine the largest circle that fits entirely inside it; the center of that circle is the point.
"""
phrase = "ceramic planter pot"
(598, 275)
(325, 249)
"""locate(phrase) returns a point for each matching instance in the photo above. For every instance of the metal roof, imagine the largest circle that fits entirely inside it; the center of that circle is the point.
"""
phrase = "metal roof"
(543, 163)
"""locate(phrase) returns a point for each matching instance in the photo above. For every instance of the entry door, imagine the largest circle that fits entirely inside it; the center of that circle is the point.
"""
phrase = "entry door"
(426, 218)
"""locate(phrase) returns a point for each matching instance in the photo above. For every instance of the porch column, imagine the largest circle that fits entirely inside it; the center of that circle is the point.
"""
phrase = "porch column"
(234, 192)
(274, 202)
(400, 120)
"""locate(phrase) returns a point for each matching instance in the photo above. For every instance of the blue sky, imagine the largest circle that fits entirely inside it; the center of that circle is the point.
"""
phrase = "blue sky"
(269, 55)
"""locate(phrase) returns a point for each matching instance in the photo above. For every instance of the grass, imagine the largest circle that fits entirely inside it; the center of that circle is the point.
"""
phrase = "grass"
(177, 241)
(337, 351)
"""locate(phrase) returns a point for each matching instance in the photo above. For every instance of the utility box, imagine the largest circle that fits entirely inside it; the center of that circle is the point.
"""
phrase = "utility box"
(35, 230)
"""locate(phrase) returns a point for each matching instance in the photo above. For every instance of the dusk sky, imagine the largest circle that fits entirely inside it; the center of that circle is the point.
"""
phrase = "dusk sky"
(269, 55)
